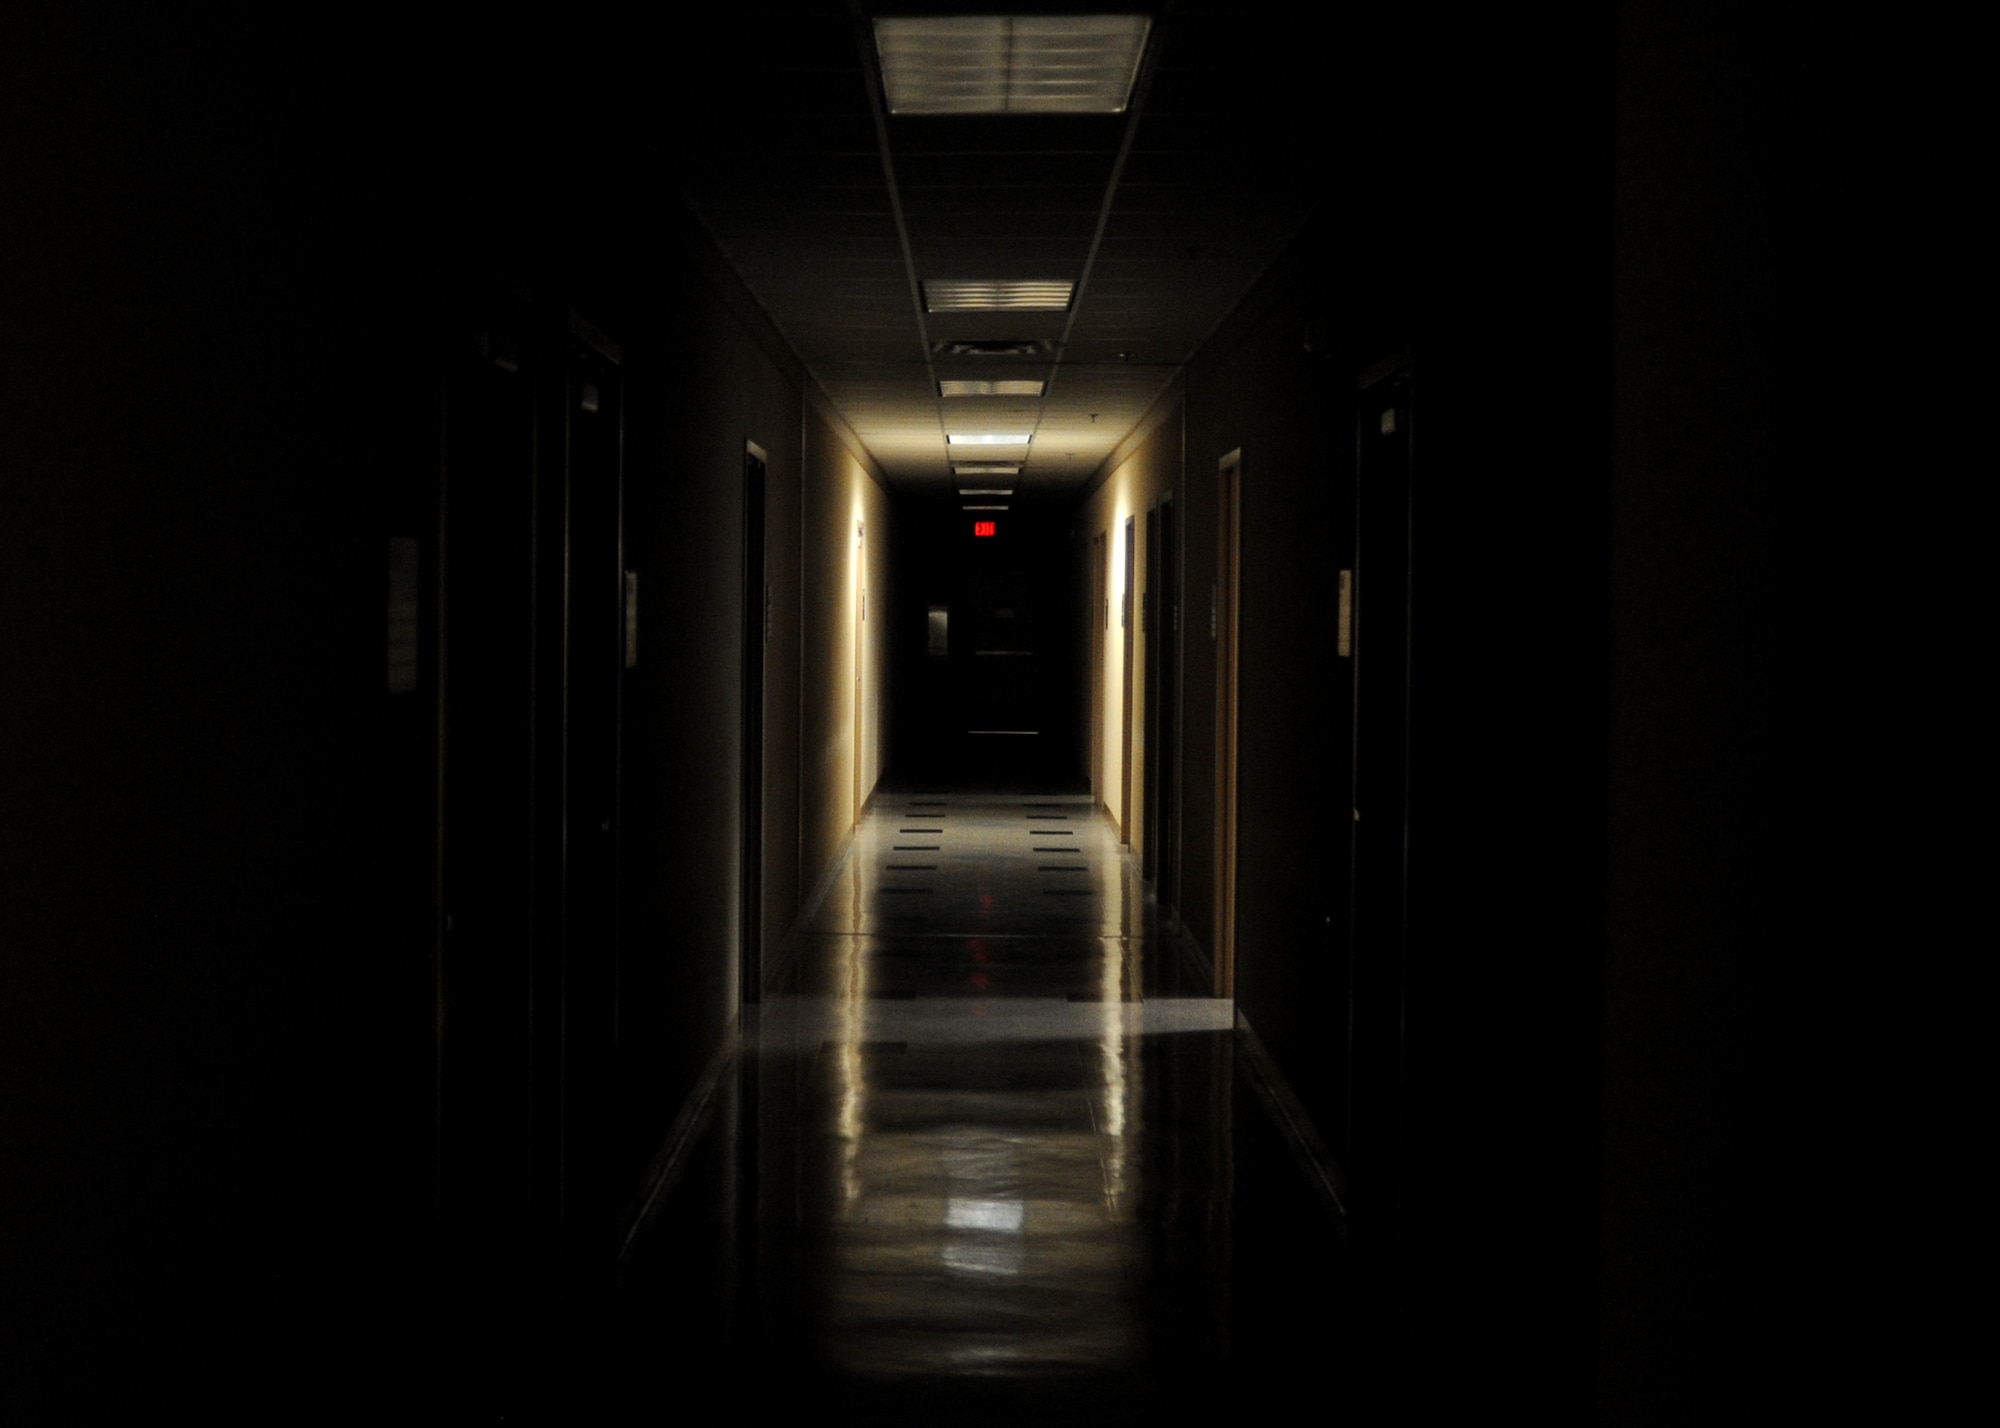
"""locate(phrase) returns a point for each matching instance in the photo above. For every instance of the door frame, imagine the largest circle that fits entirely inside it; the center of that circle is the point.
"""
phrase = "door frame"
(860, 638)
(1128, 631)
(1161, 621)
(756, 631)
(1228, 592)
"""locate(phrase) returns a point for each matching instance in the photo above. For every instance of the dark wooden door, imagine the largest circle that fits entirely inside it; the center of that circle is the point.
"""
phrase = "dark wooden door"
(1382, 639)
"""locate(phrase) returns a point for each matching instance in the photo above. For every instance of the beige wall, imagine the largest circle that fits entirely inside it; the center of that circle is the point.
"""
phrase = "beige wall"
(872, 740)
(782, 876)
(844, 542)
(1132, 489)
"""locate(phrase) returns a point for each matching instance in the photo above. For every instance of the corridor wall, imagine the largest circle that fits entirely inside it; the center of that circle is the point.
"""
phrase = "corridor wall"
(1256, 389)
(707, 382)
(214, 1039)
(1131, 489)
(845, 550)
(1260, 391)
(232, 316)
(1562, 1169)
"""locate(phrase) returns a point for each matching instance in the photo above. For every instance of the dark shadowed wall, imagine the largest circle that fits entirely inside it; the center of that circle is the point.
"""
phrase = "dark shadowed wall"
(243, 327)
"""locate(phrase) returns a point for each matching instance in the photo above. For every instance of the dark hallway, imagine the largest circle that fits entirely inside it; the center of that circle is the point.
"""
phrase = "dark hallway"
(503, 522)
(990, 1151)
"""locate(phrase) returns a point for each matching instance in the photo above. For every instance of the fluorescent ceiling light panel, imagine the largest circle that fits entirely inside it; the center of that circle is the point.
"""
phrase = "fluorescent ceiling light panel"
(988, 468)
(1009, 64)
(1000, 507)
(957, 387)
(994, 295)
(988, 438)
(987, 491)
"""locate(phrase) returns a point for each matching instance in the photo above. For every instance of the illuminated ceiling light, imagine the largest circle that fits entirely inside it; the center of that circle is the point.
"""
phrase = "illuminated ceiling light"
(988, 468)
(1009, 64)
(988, 438)
(954, 387)
(1000, 507)
(993, 295)
(986, 491)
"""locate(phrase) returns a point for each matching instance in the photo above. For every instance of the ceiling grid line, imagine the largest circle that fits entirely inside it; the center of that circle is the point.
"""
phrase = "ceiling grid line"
(1135, 109)
(1163, 203)
(864, 33)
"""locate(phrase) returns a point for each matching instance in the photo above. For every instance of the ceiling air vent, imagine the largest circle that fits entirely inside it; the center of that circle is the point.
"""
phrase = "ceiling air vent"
(989, 387)
(1005, 347)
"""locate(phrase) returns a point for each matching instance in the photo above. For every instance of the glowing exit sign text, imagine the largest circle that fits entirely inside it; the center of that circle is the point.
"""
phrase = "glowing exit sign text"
(984, 528)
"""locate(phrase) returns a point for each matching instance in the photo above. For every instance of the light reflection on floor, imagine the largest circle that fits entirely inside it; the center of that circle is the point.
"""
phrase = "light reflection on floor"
(994, 1154)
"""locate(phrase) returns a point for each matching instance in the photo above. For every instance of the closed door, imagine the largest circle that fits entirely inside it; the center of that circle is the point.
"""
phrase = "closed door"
(756, 630)
(1160, 616)
(491, 1240)
(1378, 917)
(1229, 513)
(593, 638)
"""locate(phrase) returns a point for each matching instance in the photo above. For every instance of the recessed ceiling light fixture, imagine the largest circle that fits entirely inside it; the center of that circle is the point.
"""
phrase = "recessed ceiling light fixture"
(1000, 507)
(996, 295)
(1009, 64)
(988, 438)
(987, 491)
(988, 468)
(955, 387)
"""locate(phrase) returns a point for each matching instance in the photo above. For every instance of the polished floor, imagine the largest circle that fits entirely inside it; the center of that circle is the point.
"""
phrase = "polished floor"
(992, 1153)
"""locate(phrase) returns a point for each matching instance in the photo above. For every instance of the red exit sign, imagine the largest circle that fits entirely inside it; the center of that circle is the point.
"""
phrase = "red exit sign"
(984, 528)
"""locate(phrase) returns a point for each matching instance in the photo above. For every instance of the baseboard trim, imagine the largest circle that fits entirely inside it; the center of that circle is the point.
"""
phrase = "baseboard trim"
(788, 950)
(1307, 1145)
(670, 1160)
